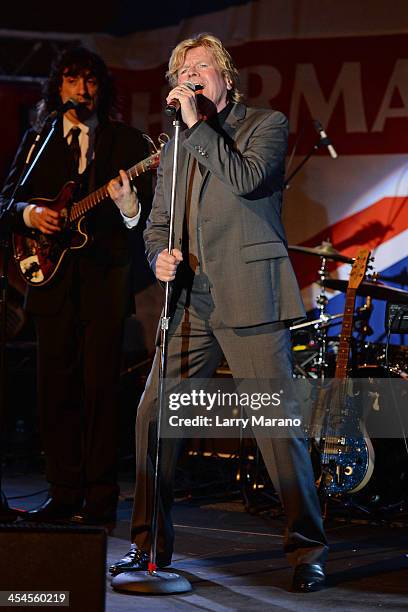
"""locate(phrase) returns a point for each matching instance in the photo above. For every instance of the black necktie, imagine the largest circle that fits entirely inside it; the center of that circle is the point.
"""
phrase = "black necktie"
(74, 150)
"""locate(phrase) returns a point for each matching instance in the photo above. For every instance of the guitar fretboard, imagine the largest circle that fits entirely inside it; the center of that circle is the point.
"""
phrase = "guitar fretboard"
(79, 209)
(345, 336)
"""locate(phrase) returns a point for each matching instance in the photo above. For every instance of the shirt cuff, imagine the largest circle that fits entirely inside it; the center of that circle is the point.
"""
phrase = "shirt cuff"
(26, 215)
(131, 222)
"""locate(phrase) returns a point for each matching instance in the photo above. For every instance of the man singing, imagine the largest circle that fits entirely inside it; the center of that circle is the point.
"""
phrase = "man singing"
(234, 289)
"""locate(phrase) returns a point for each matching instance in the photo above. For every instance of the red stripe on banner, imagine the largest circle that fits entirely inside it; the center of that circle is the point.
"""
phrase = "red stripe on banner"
(355, 86)
(369, 228)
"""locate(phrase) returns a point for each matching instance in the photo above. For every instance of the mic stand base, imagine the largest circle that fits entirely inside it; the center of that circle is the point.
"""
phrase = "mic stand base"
(157, 582)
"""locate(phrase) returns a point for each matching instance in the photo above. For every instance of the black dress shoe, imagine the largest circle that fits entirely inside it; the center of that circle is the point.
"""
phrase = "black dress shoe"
(51, 510)
(308, 577)
(135, 561)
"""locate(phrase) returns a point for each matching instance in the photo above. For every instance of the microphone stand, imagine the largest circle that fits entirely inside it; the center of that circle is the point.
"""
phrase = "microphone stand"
(316, 147)
(322, 300)
(6, 513)
(153, 581)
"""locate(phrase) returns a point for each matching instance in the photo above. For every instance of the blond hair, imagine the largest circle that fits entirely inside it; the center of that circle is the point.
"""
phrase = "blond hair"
(222, 58)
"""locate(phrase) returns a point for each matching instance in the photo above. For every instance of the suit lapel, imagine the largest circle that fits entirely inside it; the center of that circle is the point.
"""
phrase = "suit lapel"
(234, 119)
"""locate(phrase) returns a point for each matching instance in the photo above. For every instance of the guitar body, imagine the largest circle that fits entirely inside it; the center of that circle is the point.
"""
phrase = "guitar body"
(349, 468)
(39, 256)
(346, 462)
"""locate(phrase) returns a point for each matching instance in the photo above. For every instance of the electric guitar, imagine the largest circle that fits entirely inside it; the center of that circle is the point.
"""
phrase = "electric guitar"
(39, 256)
(346, 462)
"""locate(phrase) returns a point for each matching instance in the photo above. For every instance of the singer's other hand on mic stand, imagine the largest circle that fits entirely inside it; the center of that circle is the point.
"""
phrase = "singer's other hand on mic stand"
(79, 315)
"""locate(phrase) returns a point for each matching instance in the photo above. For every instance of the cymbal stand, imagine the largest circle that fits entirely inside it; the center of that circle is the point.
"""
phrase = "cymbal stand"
(363, 328)
(321, 330)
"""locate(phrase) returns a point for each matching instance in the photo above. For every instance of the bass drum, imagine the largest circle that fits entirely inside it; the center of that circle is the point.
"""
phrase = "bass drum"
(386, 493)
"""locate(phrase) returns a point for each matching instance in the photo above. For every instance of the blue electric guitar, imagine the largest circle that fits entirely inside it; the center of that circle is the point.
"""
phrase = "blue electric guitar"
(346, 462)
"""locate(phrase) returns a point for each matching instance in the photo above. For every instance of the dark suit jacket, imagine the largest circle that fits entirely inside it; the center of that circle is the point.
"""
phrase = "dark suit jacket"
(242, 239)
(100, 271)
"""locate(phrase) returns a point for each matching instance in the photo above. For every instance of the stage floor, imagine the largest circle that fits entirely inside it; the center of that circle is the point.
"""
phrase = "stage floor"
(234, 559)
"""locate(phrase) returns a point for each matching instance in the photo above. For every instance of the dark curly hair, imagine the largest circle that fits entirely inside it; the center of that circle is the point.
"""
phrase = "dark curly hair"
(78, 61)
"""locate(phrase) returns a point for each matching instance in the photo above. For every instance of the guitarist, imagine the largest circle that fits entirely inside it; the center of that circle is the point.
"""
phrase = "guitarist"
(79, 315)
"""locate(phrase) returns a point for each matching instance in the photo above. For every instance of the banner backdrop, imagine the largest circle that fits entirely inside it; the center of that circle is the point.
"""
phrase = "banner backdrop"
(345, 65)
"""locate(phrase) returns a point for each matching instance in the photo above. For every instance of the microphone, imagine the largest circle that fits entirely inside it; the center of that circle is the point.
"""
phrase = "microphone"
(324, 139)
(53, 116)
(71, 103)
(174, 105)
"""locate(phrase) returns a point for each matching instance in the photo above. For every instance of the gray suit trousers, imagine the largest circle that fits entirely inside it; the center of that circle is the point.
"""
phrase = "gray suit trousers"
(197, 341)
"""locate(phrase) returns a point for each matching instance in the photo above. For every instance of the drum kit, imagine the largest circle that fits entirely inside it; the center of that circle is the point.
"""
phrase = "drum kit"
(315, 354)
(315, 351)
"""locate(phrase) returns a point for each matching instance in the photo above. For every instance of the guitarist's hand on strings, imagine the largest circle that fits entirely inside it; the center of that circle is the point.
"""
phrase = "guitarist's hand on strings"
(45, 219)
(124, 195)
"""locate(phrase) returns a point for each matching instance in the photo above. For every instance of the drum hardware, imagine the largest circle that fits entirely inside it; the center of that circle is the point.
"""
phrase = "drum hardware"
(309, 348)
(376, 499)
(400, 279)
(322, 321)
(362, 318)
(363, 329)
(374, 289)
(325, 250)
(397, 309)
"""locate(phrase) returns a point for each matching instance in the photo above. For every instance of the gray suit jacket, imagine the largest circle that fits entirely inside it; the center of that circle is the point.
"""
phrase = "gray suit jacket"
(242, 239)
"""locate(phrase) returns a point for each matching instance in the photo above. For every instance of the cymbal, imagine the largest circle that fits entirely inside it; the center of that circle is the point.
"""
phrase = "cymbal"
(378, 291)
(323, 250)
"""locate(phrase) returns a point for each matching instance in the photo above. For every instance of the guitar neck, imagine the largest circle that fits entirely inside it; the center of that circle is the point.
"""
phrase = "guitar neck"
(79, 209)
(345, 336)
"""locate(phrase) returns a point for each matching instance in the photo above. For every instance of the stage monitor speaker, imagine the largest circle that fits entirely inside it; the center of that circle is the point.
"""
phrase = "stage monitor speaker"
(47, 558)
